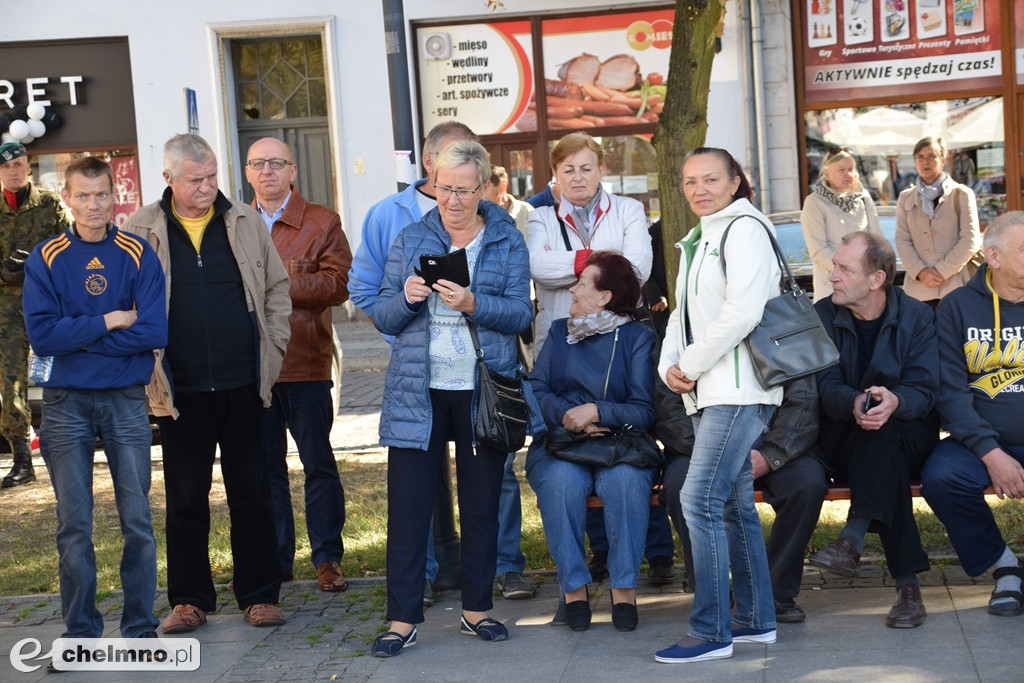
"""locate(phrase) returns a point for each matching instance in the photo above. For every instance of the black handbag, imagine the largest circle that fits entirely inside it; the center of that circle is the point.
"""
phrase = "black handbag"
(790, 342)
(502, 414)
(624, 445)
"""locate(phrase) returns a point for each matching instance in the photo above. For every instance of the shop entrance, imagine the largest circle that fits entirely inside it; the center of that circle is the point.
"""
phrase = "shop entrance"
(280, 92)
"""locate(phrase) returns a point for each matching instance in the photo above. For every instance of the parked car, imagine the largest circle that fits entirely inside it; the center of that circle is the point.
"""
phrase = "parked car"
(790, 235)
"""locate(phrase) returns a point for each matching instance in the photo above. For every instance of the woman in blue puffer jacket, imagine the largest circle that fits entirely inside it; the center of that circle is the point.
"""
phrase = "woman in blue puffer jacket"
(429, 389)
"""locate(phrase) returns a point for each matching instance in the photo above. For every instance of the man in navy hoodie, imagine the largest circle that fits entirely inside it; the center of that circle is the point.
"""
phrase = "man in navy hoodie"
(981, 366)
(94, 311)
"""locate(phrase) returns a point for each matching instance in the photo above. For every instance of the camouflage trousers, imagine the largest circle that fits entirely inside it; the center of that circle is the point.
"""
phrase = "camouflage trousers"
(16, 415)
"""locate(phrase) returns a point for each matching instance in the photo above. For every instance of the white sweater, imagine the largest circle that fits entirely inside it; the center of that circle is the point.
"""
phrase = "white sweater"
(622, 227)
(722, 311)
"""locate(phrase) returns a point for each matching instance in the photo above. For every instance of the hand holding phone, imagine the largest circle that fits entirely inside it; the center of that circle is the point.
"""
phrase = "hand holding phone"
(869, 400)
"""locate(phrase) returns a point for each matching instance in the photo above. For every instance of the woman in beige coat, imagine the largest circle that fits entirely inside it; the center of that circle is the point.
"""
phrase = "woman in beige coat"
(838, 204)
(937, 231)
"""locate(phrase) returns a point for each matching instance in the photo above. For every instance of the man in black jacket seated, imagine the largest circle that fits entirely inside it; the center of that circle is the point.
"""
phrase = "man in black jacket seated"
(785, 469)
(877, 419)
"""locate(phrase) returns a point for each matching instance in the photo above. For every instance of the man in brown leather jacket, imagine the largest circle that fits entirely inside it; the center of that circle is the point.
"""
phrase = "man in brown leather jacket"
(313, 247)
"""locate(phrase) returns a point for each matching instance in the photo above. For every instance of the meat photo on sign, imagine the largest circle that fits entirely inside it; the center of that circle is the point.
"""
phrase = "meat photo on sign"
(591, 93)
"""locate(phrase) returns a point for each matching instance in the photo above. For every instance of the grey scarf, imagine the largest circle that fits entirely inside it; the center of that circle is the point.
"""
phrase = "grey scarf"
(582, 326)
(930, 195)
(581, 216)
(847, 201)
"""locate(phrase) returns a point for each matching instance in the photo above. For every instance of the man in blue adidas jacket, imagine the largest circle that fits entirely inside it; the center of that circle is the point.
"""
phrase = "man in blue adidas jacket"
(94, 303)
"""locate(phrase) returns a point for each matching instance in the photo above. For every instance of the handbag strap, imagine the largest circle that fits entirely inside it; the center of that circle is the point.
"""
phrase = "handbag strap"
(788, 281)
(476, 339)
(565, 233)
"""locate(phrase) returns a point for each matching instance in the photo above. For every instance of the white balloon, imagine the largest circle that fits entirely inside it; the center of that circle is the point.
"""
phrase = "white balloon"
(27, 139)
(36, 128)
(7, 137)
(19, 129)
(35, 111)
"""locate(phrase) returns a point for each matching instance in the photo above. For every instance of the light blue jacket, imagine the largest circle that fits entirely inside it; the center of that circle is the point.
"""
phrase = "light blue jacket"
(383, 222)
(501, 285)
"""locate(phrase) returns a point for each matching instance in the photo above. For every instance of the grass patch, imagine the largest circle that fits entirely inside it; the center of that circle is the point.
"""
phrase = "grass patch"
(29, 555)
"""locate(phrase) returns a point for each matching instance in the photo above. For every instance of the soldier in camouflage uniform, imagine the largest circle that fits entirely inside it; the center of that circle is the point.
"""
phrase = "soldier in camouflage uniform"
(28, 215)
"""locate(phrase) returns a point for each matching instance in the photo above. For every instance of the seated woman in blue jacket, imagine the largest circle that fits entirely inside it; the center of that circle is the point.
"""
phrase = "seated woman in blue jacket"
(429, 387)
(595, 372)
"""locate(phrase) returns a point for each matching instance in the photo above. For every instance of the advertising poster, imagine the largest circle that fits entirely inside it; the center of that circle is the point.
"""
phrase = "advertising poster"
(479, 74)
(127, 198)
(885, 48)
(604, 70)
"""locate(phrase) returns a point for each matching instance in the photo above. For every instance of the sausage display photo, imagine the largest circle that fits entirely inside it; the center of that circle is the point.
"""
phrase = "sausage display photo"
(594, 93)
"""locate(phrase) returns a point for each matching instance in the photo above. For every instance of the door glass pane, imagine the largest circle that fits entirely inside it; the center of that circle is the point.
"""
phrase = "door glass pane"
(520, 173)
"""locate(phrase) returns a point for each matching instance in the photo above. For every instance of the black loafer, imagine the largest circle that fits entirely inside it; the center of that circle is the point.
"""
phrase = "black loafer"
(788, 612)
(577, 614)
(624, 616)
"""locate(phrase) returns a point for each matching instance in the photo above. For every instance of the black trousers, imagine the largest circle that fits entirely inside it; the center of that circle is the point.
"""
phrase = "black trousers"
(412, 485)
(795, 491)
(232, 420)
(879, 465)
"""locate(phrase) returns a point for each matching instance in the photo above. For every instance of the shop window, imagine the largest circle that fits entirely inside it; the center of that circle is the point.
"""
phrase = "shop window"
(883, 138)
(631, 169)
(48, 174)
(277, 79)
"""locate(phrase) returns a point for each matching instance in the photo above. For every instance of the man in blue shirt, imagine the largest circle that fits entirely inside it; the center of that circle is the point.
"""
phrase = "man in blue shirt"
(95, 310)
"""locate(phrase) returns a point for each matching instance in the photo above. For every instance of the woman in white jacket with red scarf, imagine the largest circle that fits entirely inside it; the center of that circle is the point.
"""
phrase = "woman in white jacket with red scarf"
(703, 359)
(586, 219)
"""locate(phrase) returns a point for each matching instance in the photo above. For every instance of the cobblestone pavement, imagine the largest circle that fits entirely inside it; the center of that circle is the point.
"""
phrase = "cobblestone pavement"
(327, 636)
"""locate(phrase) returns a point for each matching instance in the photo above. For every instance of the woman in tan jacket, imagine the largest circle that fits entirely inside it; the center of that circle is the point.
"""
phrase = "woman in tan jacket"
(937, 230)
(838, 204)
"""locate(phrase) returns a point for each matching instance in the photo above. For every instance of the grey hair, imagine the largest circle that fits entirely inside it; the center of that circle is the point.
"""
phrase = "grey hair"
(465, 152)
(995, 234)
(185, 147)
(447, 129)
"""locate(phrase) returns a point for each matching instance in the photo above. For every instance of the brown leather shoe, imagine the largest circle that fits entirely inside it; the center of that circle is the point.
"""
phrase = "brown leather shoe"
(908, 612)
(838, 557)
(184, 618)
(329, 578)
(263, 614)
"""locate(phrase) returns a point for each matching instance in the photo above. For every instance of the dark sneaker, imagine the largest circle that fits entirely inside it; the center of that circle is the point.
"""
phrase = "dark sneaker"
(788, 612)
(662, 571)
(515, 586)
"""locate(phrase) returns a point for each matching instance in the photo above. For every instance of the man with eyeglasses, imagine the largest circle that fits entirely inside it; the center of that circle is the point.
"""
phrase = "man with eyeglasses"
(310, 241)
(227, 315)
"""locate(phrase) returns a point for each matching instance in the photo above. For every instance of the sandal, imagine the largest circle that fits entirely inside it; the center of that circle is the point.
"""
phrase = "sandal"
(487, 629)
(392, 643)
(1007, 609)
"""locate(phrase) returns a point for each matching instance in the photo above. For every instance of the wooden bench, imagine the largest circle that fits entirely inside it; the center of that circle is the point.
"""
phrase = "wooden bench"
(834, 493)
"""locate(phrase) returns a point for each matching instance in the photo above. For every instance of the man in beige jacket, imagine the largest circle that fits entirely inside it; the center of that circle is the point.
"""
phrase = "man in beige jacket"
(227, 311)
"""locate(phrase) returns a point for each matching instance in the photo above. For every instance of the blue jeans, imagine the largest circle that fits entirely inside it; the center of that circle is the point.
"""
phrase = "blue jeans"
(72, 419)
(510, 522)
(725, 531)
(304, 408)
(953, 482)
(562, 489)
(659, 541)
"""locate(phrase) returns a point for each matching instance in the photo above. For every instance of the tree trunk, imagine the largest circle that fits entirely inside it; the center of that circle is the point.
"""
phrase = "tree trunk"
(683, 125)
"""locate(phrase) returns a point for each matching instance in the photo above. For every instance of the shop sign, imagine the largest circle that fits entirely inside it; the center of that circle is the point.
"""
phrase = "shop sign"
(605, 70)
(861, 48)
(478, 74)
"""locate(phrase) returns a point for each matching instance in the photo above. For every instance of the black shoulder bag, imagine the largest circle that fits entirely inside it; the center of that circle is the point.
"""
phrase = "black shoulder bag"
(502, 415)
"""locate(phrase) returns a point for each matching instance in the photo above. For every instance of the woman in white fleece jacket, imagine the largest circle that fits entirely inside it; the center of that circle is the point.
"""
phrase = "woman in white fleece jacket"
(704, 360)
